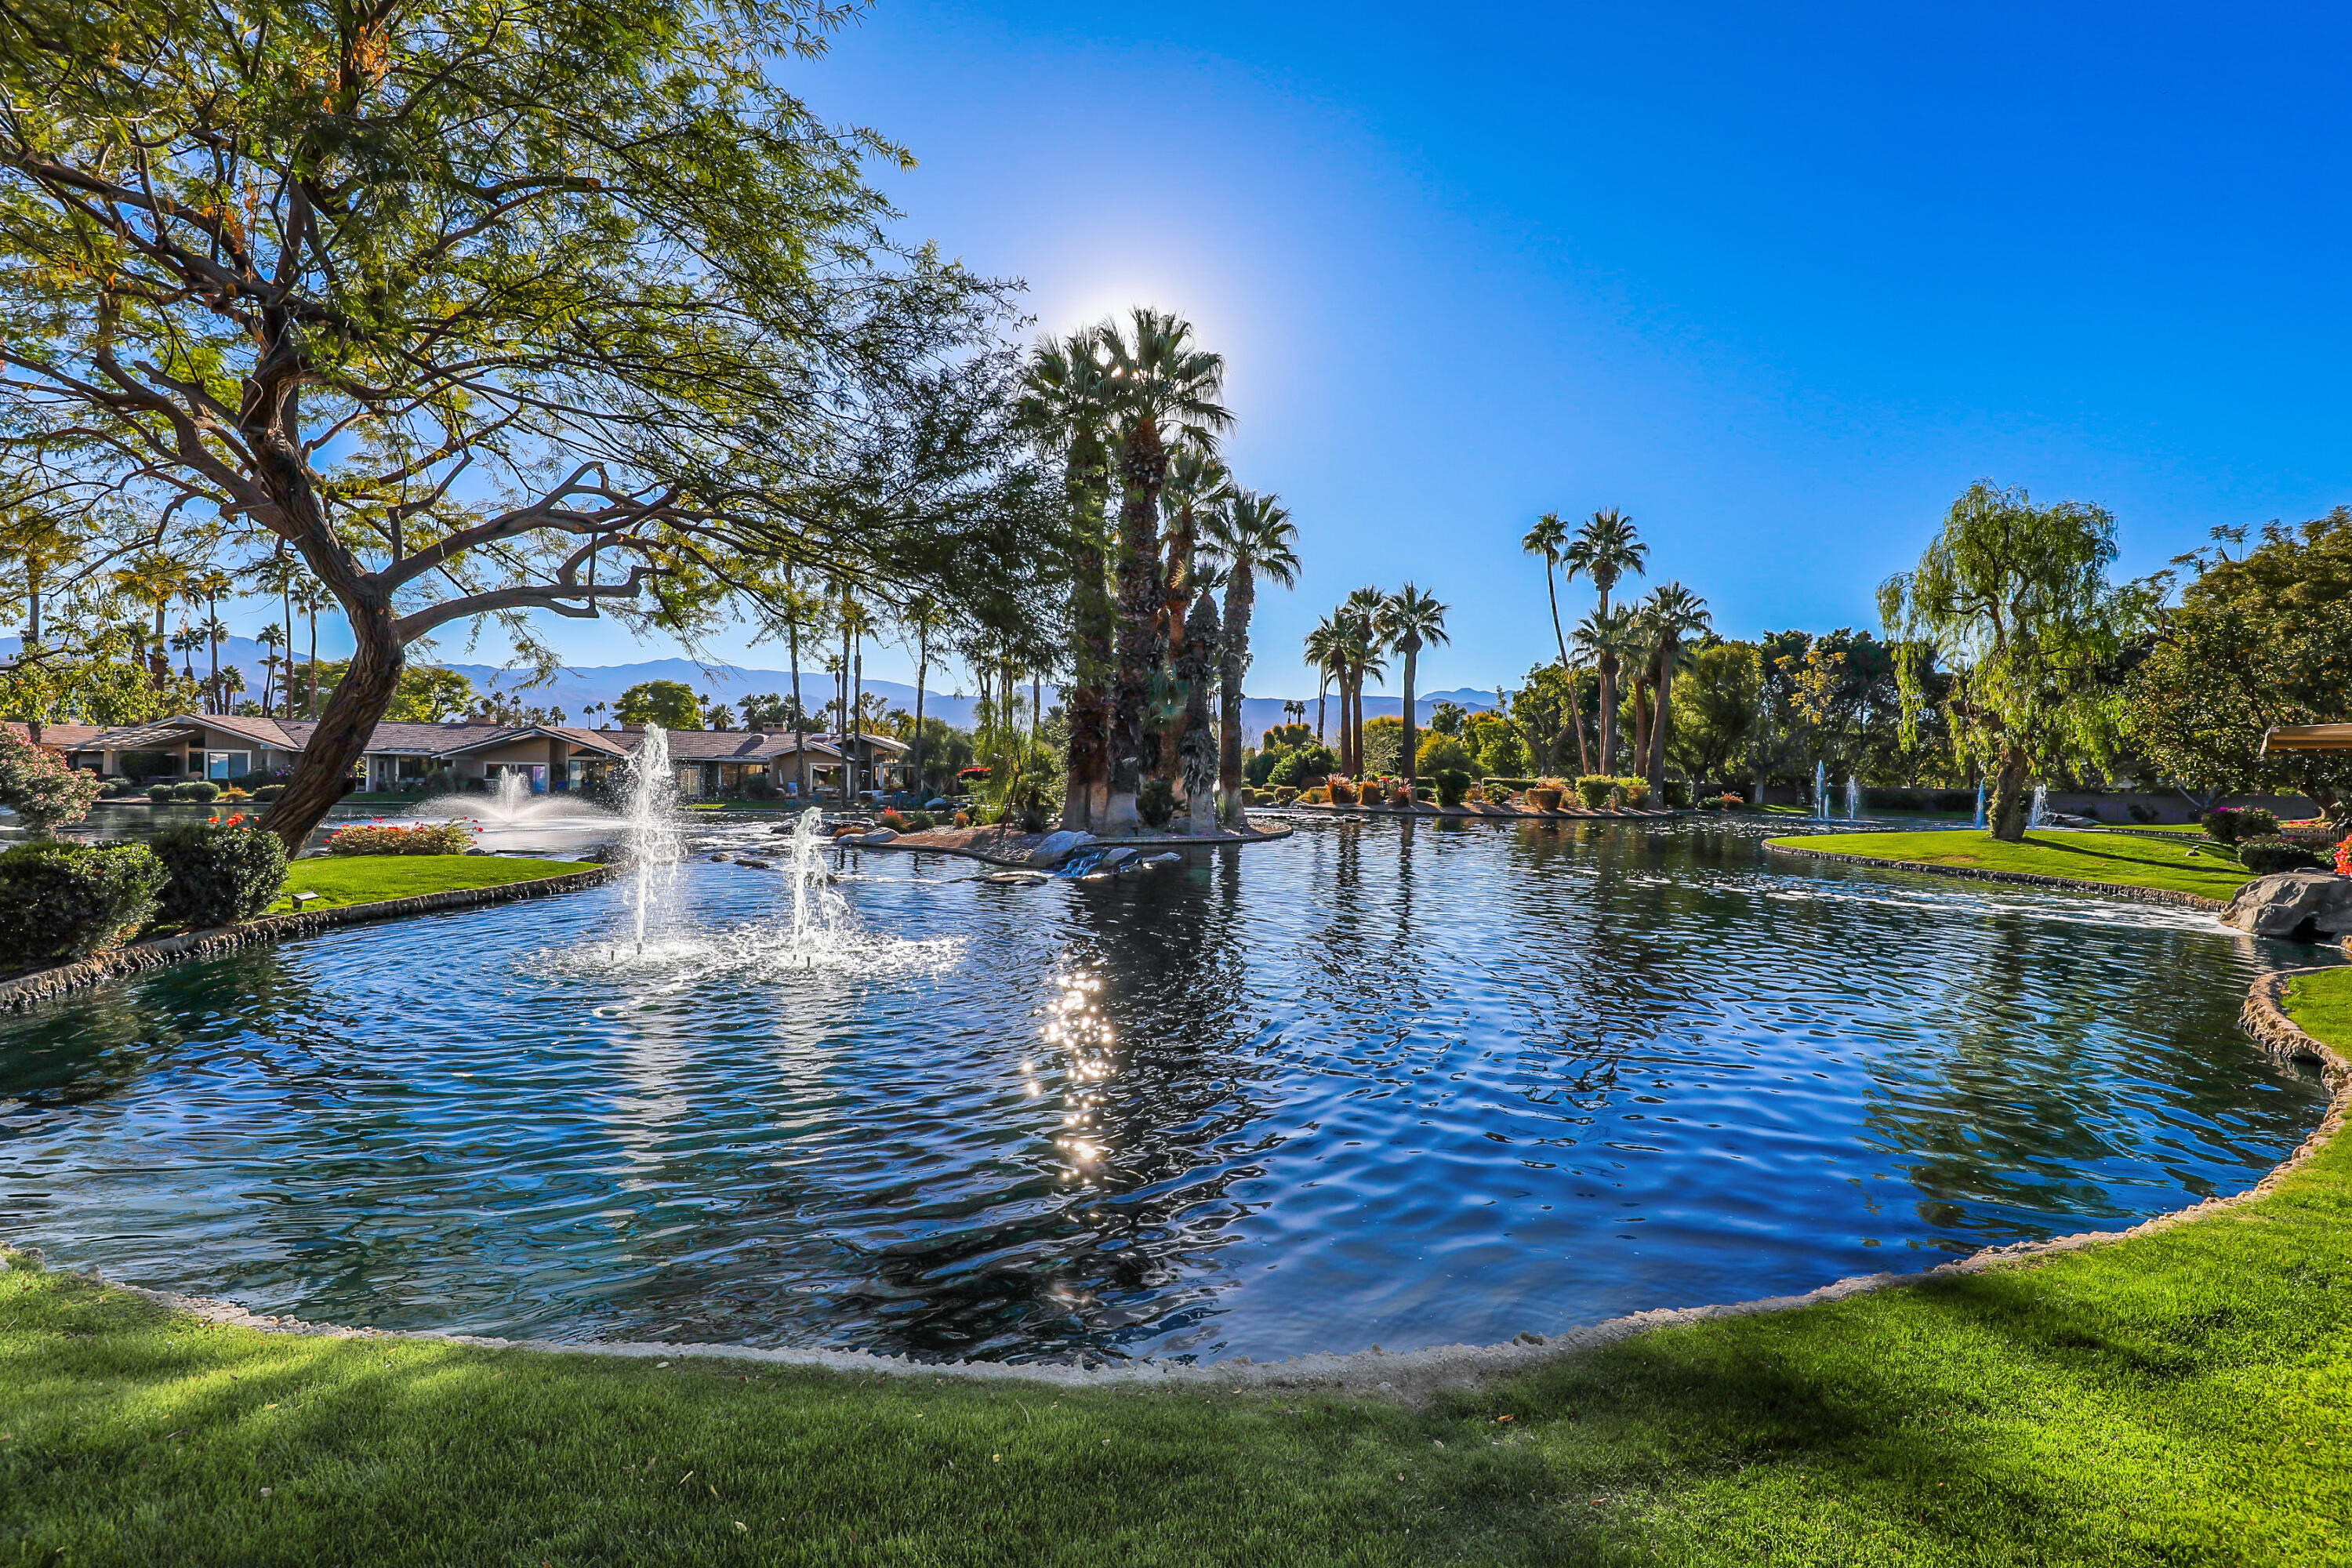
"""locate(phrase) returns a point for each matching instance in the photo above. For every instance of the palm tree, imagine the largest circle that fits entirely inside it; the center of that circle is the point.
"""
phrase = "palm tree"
(271, 637)
(1253, 536)
(1165, 389)
(1546, 539)
(1601, 638)
(1410, 620)
(797, 611)
(1294, 712)
(184, 642)
(212, 585)
(232, 684)
(1674, 613)
(924, 616)
(1360, 615)
(155, 577)
(1325, 653)
(1065, 403)
(1197, 485)
(312, 596)
(1604, 549)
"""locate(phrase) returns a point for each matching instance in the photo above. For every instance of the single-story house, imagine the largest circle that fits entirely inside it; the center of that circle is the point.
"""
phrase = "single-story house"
(402, 756)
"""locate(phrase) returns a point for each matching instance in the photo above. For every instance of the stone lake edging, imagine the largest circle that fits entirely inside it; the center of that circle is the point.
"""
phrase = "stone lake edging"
(1486, 812)
(918, 843)
(2023, 879)
(41, 984)
(1407, 1374)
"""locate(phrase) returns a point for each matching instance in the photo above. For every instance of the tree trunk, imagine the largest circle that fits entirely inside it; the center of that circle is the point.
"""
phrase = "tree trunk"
(1143, 469)
(1576, 720)
(1608, 716)
(2012, 787)
(341, 735)
(1637, 756)
(1241, 598)
(1178, 586)
(1197, 747)
(915, 752)
(1411, 760)
(799, 715)
(1322, 684)
(1659, 724)
(212, 623)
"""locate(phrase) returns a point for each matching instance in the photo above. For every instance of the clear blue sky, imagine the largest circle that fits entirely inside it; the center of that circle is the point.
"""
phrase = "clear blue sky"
(1777, 282)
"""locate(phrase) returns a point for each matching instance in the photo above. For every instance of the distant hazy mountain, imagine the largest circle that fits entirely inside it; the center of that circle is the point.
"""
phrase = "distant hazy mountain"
(573, 688)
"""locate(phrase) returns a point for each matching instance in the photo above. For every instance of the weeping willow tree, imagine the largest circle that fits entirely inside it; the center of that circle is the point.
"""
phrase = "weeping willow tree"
(2015, 601)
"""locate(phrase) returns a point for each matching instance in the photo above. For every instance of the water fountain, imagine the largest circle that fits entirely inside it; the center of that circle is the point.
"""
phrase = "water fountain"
(1822, 790)
(1853, 798)
(651, 830)
(1980, 821)
(2041, 807)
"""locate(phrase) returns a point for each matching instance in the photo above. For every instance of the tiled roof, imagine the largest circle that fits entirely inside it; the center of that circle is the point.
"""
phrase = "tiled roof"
(63, 737)
(733, 745)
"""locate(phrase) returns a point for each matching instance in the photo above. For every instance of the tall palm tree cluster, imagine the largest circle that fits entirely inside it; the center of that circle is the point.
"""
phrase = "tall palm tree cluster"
(1645, 637)
(1346, 649)
(1157, 527)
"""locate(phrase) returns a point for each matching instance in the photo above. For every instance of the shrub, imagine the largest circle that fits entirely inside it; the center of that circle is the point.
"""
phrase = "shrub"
(1437, 753)
(1339, 791)
(1400, 796)
(221, 872)
(1594, 789)
(1544, 797)
(919, 822)
(2266, 856)
(63, 902)
(204, 792)
(892, 820)
(1453, 784)
(1678, 793)
(1509, 785)
(1634, 792)
(37, 784)
(2141, 811)
(2229, 823)
(1155, 802)
(963, 819)
(268, 793)
(385, 838)
(1476, 794)
(159, 792)
(1294, 768)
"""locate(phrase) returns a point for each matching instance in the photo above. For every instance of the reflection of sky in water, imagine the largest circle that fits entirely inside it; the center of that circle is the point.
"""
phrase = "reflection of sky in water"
(1371, 1085)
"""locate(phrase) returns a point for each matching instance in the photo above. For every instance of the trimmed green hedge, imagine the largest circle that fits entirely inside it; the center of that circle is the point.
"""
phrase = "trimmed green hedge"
(220, 874)
(60, 901)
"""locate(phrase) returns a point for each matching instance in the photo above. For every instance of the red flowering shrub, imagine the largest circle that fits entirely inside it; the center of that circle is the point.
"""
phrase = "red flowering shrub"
(386, 838)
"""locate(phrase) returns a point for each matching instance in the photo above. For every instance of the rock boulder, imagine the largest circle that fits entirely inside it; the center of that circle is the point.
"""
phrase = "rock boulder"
(2301, 905)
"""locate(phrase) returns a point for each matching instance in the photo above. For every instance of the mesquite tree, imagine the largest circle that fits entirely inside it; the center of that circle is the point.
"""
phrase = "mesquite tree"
(489, 312)
(2015, 599)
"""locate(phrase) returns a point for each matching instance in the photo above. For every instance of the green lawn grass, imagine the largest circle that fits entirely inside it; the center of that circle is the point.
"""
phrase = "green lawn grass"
(2088, 856)
(2183, 1397)
(341, 879)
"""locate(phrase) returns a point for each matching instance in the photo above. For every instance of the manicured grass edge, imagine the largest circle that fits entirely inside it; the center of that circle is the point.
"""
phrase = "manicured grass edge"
(41, 984)
(2024, 878)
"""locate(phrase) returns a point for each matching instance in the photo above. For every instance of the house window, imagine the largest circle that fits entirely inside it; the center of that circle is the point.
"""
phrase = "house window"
(227, 765)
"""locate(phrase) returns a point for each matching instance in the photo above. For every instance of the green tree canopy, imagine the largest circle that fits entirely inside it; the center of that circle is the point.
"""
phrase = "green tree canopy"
(2255, 642)
(482, 311)
(427, 694)
(2016, 601)
(671, 704)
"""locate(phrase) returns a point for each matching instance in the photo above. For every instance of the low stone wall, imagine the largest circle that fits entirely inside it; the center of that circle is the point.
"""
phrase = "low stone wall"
(2023, 879)
(26, 990)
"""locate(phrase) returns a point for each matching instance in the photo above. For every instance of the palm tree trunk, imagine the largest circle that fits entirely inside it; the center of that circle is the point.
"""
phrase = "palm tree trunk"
(800, 715)
(1241, 598)
(1200, 748)
(1143, 469)
(212, 636)
(1177, 586)
(1660, 724)
(1322, 684)
(1607, 712)
(1551, 592)
(1411, 759)
(314, 661)
(922, 666)
(1576, 720)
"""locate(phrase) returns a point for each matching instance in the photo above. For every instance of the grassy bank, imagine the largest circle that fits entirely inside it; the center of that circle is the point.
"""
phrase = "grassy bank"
(2086, 857)
(371, 878)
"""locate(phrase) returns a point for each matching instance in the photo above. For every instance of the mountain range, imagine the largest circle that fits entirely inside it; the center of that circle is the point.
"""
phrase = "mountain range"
(572, 689)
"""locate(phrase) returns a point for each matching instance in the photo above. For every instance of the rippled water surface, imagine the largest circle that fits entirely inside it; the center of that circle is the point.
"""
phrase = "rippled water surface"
(1380, 1083)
